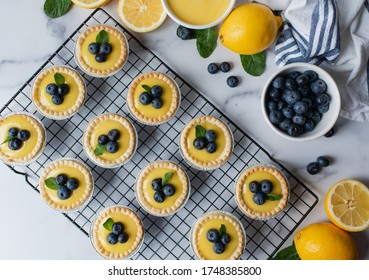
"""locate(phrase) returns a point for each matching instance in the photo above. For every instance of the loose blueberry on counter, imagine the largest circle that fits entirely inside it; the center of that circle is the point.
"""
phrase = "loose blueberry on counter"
(225, 238)
(254, 187)
(219, 248)
(311, 74)
(112, 238)
(105, 48)
(51, 89)
(15, 144)
(259, 198)
(330, 133)
(112, 147)
(157, 103)
(24, 135)
(13, 131)
(213, 235)
(313, 168)
(114, 135)
(266, 186)
(169, 190)
(117, 228)
(278, 82)
(57, 99)
(123, 237)
(185, 33)
(211, 147)
(213, 68)
(63, 89)
(318, 86)
(63, 192)
(323, 161)
(156, 91)
(200, 143)
(100, 57)
(94, 48)
(225, 67)
(293, 75)
(159, 196)
(210, 135)
(72, 184)
(61, 179)
(103, 139)
(232, 81)
(145, 98)
(156, 184)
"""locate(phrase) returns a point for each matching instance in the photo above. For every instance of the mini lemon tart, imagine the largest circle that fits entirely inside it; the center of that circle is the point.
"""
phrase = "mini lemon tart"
(117, 233)
(153, 98)
(58, 92)
(218, 235)
(162, 188)
(22, 138)
(101, 50)
(110, 140)
(262, 191)
(66, 185)
(206, 143)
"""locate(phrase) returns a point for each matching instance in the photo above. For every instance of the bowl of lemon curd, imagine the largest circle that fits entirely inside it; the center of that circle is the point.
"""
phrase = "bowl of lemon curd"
(198, 14)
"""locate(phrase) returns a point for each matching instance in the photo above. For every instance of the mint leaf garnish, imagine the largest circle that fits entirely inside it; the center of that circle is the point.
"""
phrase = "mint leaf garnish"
(273, 197)
(56, 8)
(167, 176)
(288, 253)
(108, 225)
(59, 79)
(51, 183)
(147, 88)
(99, 150)
(254, 64)
(222, 229)
(102, 37)
(7, 139)
(206, 41)
(200, 131)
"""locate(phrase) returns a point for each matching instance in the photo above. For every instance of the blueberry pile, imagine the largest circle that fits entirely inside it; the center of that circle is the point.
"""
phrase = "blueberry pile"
(16, 138)
(152, 95)
(66, 186)
(58, 90)
(314, 167)
(117, 234)
(225, 67)
(297, 101)
(220, 239)
(162, 190)
(205, 140)
(110, 141)
(260, 191)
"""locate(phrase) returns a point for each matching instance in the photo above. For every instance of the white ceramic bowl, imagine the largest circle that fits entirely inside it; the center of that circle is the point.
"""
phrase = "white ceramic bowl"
(328, 119)
(192, 26)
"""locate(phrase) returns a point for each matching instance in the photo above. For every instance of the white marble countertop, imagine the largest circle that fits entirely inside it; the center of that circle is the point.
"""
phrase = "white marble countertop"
(31, 230)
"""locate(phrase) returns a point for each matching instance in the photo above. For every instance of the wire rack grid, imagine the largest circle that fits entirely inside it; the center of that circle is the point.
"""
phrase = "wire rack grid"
(166, 238)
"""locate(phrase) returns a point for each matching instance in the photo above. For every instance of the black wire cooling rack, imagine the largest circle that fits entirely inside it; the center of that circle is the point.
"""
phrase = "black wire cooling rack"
(165, 238)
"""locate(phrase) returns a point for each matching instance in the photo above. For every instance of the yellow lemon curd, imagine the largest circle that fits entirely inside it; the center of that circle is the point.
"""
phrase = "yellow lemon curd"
(198, 12)
(112, 58)
(20, 122)
(123, 141)
(130, 228)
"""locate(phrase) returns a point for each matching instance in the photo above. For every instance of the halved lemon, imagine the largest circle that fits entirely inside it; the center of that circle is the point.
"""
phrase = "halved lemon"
(141, 15)
(347, 205)
(90, 4)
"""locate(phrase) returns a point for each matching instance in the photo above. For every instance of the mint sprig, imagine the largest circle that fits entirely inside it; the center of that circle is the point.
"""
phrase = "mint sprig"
(273, 197)
(7, 139)
(288, 253)
(206, 41)
(146, 87)
(99, 150)
(254, 64)
(51, 183)
(56, 8)
(167, 176)
(59, 79)
(108, 225)
(102, 37)
(222, 229)
(200, 131)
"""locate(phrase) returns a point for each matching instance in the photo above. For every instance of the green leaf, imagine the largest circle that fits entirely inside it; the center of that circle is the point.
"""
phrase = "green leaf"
(254, 64)
(7, 139)
(99, 150)
(273, 197)
(51, 183)
(200, 131)
(108, 225)
(206, 41)
(288, 253)
(167, 176)
(59, 79)
(222, 229)
(146, 87)
(192, 32)
(56, 8)
(102, 37)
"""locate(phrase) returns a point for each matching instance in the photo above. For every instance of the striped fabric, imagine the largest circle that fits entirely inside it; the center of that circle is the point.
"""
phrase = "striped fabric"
(321, 40)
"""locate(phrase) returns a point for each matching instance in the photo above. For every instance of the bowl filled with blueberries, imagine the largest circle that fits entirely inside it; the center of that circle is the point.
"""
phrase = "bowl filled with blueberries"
(301, 102)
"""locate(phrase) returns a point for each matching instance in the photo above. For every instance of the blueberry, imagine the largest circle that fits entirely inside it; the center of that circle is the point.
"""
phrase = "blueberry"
(290, 84)
(145, 98)
(211, 135)
(294, 130)
(271, 105)
(313, 168)
(24, 135)
(61, 179)
(112, 238)
(103, 139)
(278, 82)
(94, 48)
(123, 237)
(322, 99)
(169, 190)
(225, 67)
(51, 89)
(318, 86)
(308, 114)
(100, 57)
(330, 133)
(156, 91)
(63, 89)
(299, 119)
(302, 80)
(259, 198)
(281, 104)
(159, 196)
(311, 74)
(211, 147)
(13, 132)
(274, 93)
(72, 184)
(213, 235)
(15, 144)
(288, 112)
(293, 75)
(308, 101)
(57, 99)
(225, 238)
(117, 228)
(254, 187)
(291, 96)
(185, 33)
(232, 81)
(300, 107)
(322, 109)
(323, 161)
(285, 124)
(316, 117)
(266, 186)
(157, 103)
(275, 117)
(304, 90)
(213, 68)
(63, 192)
(114, 135)
(200, 143)
(112, 147)
(309, 125)
(156, 184)
(219, 248)
(105, 48)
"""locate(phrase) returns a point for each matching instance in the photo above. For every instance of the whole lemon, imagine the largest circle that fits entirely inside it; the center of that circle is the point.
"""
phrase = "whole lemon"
(249, 29)
(325, 241)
